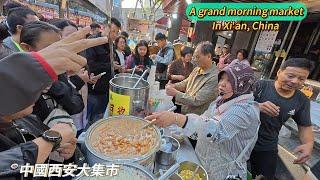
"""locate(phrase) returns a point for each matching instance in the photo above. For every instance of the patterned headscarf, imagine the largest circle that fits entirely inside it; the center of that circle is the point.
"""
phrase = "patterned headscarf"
(241, 77)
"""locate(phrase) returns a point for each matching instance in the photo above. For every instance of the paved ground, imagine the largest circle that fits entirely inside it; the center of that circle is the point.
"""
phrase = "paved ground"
(286, 170)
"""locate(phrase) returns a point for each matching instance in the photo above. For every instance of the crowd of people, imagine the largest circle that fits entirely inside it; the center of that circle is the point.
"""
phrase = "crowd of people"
(54, 79)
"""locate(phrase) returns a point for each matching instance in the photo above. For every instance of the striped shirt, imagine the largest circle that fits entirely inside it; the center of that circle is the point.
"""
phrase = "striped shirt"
(223, 133)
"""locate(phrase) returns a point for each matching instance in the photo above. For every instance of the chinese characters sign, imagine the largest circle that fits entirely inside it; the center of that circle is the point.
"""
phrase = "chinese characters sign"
(118, 104)
(65, 170)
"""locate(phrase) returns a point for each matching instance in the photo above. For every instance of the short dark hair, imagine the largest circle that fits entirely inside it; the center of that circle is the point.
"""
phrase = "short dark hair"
(297, 62)
(315, 47)
(244, 53)
(62, 23)
(16, 16)
(31, 31)
(116, 41)
(10, 5)
(3, 31)
(94, 26)
(206, 47)
(186, 50)
(125, 34)
(116, 22)
(160, 36)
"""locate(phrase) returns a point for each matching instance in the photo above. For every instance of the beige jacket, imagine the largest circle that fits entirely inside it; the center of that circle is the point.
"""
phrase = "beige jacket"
(198, 90)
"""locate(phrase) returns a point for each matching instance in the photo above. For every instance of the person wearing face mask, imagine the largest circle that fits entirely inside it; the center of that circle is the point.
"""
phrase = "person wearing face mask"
(279, 100)
(228, 129)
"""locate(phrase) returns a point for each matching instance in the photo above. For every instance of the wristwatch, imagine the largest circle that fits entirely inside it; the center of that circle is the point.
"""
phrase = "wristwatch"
(53, 137)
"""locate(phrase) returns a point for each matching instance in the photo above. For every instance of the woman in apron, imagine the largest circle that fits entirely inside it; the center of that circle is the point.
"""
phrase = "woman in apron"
(227, 131)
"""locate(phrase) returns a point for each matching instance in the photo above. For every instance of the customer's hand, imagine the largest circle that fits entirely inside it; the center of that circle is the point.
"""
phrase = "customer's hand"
(67, 150)
(170, 90)
(65, 131)
(177, 77)
(170, 84)
(62, 55)
(269, 108)
(153, 56)
(162, 119)
(93, 78)
(305, 151)
(83, 74)
(116, 65)
(139, 68)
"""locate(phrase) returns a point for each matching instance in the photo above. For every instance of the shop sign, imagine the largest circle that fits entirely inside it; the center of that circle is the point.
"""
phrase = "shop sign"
(118, 104)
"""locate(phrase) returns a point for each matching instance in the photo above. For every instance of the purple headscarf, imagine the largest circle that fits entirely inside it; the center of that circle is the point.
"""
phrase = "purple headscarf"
(241, 77)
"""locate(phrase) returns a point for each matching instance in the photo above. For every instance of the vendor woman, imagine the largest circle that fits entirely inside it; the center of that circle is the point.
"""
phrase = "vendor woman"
(227, 131)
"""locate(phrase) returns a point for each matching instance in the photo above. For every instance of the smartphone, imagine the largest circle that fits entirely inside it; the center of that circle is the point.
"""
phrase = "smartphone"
(101, 74)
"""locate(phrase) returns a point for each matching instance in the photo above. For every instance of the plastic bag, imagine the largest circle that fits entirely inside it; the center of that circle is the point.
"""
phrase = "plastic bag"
(160, 102)
(284, 132)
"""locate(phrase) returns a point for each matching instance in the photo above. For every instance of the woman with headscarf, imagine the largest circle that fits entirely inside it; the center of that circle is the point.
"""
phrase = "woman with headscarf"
(227, 131)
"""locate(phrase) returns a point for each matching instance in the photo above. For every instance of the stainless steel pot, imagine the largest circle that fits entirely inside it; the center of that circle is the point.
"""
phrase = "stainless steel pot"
(94, 156)
(126, 75)
(126, 100)
(165, 156)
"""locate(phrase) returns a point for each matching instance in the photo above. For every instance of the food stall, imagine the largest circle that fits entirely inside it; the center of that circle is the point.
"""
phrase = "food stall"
(141, 148)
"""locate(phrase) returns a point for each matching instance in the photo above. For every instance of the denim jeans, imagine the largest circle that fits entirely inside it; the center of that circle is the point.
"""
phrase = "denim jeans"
(97, 105)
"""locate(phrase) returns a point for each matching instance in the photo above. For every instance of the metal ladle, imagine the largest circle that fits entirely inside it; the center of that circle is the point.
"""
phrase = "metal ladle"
(195, 173)
(151, 123)
(134, 69)
(170, 171)
(144, 73)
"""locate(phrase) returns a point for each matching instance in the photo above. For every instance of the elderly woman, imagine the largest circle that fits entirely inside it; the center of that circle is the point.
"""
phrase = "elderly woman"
(225, 57)
(228, 130)
(242, 56)
(180, 69)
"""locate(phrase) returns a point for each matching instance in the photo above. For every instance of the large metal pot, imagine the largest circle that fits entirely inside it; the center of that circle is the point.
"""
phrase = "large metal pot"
(129, 168)
(94, 156)
(126, 75)
(126, 100)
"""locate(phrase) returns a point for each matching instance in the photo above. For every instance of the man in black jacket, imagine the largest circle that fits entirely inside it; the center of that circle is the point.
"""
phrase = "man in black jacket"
(99, 62)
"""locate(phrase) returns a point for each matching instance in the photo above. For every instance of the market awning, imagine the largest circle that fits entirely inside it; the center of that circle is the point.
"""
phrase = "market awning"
(162, 23)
